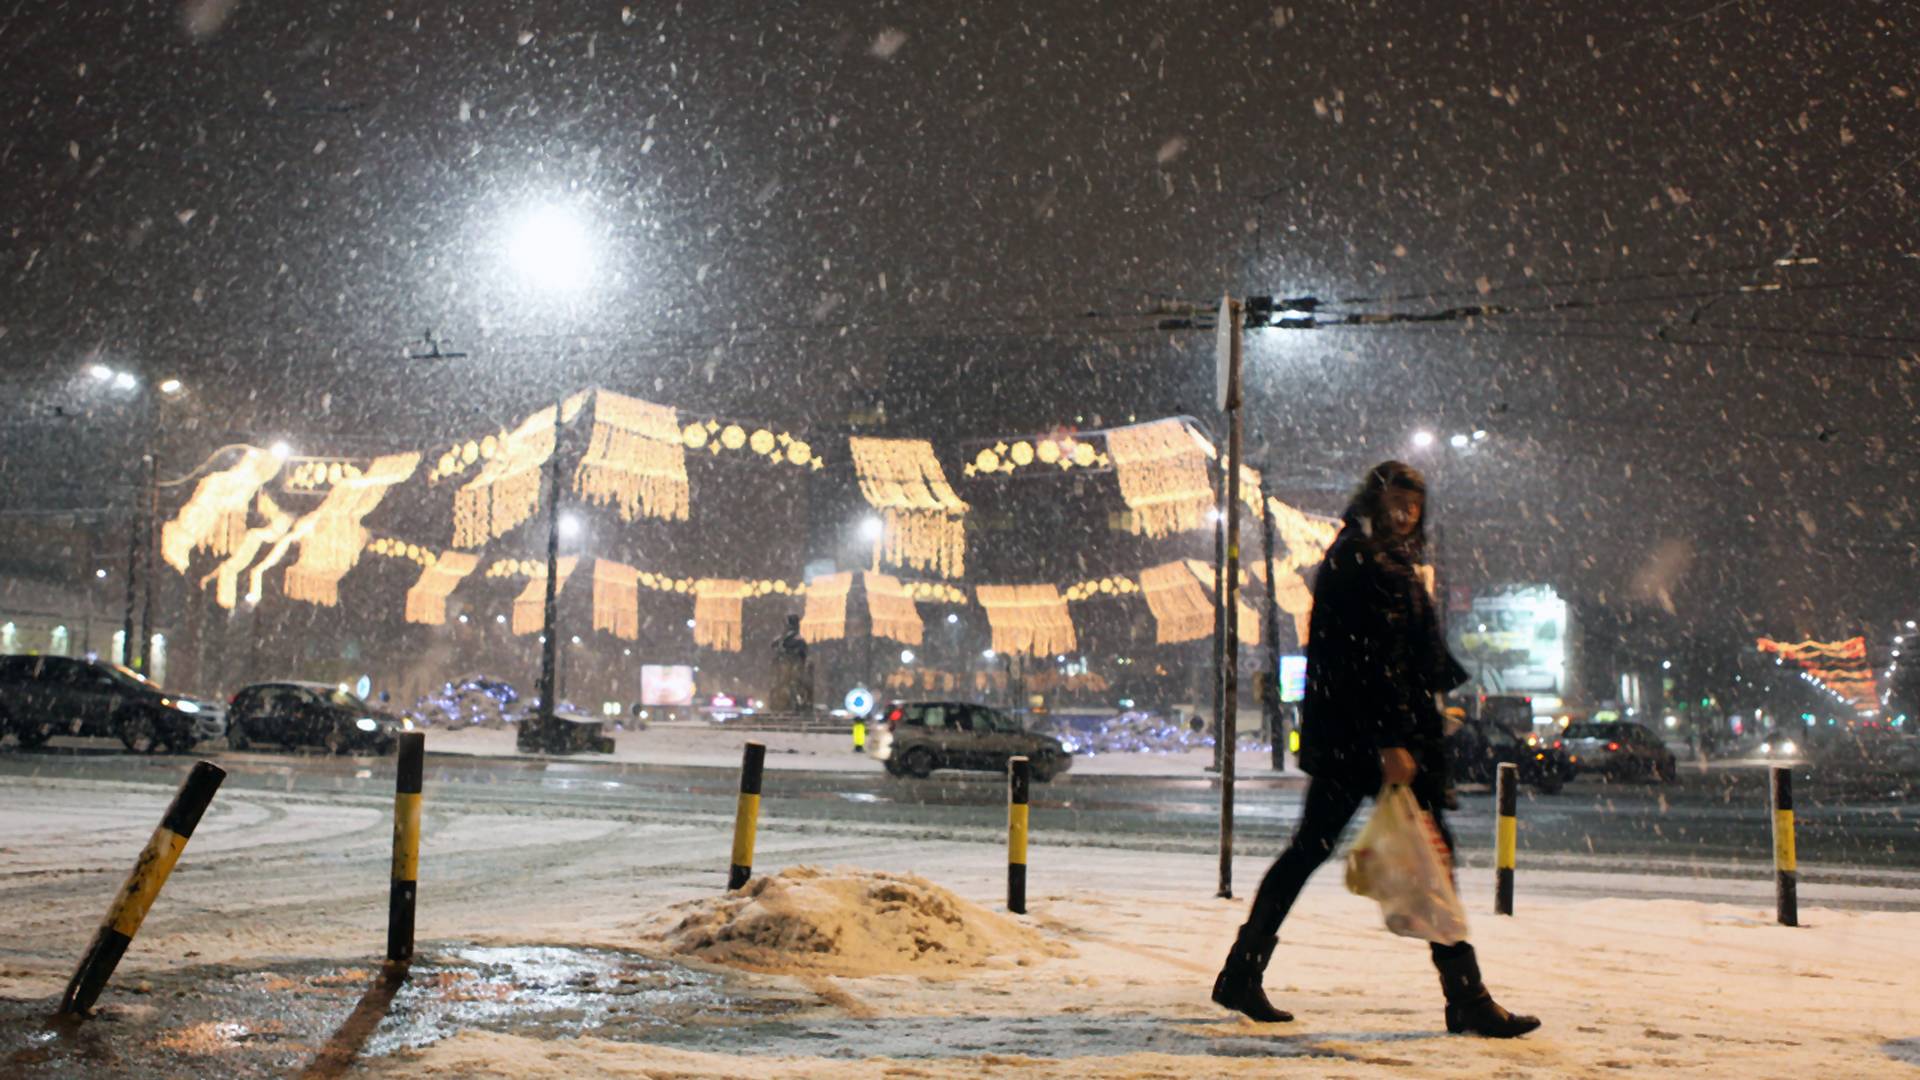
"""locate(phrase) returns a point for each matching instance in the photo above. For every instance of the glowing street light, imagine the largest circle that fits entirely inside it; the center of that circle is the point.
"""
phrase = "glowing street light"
(172, 387)
(550, 249)
(906, 656)
(281, 450)
(872, 529)
(1422, 439)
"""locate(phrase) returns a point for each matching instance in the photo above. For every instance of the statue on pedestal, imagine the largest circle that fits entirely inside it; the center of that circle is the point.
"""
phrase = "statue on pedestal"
(792, 682)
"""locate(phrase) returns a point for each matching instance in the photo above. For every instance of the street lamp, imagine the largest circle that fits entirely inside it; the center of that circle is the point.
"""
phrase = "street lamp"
(550, 249)
(281, 450)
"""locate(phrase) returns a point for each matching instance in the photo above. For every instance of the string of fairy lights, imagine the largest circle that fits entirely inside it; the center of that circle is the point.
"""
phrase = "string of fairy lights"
(633, 465)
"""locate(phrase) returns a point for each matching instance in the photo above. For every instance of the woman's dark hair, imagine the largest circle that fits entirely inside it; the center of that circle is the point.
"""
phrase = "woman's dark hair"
(1368, 506)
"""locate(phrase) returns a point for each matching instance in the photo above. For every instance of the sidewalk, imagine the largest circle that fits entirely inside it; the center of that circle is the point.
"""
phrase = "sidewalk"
(710, 746)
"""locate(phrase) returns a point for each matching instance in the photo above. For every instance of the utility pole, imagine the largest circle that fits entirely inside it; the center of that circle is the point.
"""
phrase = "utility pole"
(133, 563)
(1230, 312)
(549, 632)
(1219, 620)
(1270, 696)
(151, 540)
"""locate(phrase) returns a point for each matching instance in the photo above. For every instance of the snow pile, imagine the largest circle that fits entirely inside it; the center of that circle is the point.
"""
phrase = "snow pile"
(846, 921)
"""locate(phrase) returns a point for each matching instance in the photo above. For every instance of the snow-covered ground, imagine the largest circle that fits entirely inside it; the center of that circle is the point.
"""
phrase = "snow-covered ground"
(720, 747)
(1107, 976)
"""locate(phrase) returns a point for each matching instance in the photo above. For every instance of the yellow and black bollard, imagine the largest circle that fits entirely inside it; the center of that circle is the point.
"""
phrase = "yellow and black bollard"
(142, 886)
(859, 736)
(406, 846)
(746, 817)
(1786, 873)
(1019, 783)
(1506, 836)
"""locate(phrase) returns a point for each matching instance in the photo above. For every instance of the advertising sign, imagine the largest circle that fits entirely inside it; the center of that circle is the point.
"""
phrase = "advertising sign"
(1293, 678)
(1514, 640)
(666, 684)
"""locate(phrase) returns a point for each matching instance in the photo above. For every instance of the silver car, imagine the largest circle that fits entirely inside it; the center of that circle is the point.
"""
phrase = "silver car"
(913, 738)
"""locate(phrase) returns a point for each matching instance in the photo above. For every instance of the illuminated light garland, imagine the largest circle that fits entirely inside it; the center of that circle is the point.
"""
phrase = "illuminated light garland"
(616, 599)
(427, 600)
(227, 574)
(313, 475)
(1249, 619)
(1841, 666)
(530, 607)
(1107, 586)
(1854, 648)
(460, 457)
(780, 448)
(924, 519)
(1085, 682)
(507, 490)
(1062, 453)
(215, 518)
(935, 592)
(331, 544)
(1031, 619)
(400, 549)
(634, 459)
(717, 613)
(891, 610)
(1182, 609)
(825, 617)
(1163, 477)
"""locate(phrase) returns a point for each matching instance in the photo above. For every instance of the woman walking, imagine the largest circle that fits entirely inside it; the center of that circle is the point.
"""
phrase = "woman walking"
(1376, 659)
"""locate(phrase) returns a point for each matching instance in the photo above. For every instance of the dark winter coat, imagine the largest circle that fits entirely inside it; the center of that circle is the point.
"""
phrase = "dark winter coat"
(1376, 657)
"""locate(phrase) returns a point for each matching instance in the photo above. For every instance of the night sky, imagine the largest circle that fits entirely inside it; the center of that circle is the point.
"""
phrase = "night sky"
(958, 212)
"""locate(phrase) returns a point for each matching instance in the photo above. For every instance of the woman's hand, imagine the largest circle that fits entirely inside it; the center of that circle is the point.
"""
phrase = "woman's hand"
(1396, 765)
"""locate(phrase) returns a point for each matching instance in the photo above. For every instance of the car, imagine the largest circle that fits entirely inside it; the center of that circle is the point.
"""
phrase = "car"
(1779, 745)
(295, 714)
(1619, 749)
(1477, 749)
(44, 696)
(913, 738)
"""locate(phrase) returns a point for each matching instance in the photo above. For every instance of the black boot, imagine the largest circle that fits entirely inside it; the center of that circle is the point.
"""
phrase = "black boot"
(1471, 1010)
(1238, 985)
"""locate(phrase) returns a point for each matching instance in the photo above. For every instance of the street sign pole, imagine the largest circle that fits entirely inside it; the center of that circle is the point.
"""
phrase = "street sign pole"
(1226, 599)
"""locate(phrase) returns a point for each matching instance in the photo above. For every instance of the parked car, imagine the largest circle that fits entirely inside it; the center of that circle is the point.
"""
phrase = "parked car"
(294, 714)
(44, 696)
(913, 738)
(1620, 749)
(1477, 749)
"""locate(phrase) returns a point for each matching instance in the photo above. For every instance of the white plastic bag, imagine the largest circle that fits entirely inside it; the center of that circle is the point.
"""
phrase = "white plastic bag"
(1401, 860)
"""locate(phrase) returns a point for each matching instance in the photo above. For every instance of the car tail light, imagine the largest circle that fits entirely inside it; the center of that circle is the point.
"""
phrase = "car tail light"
(893, 719)
(1557, 744)
(1613, 746)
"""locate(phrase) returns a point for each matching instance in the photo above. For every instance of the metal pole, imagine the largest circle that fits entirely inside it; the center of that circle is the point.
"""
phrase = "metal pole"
(1219, 620)
(133, 564)
(1227, 606)
(405, 889)
(550, 633)
(746, 814)
(1270, 700)
(150, 539)
(142, 887)
(1786, 867)
(1506, 835)
(1019, 784)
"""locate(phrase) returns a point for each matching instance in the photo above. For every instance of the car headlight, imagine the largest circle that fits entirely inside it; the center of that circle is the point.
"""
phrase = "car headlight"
(1766, 748)
(186, 706)
(366, 723)
(1787, 747)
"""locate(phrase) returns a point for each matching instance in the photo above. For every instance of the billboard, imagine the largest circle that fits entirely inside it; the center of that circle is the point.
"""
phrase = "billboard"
(1514, 640)
(666, 684)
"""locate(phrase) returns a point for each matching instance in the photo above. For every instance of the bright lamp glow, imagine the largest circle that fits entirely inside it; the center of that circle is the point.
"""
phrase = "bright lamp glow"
(1458, 442)
(1422, 439)
(872, 528)
(550, 249)
(125, 380)
(100, 372)
(171, 386)
(282, 451)
(906, 656)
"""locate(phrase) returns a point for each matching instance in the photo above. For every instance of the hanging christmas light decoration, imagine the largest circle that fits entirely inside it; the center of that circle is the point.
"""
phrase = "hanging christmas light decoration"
(634, 459)
(1182, 610)
(215, 518)
(1031, 619)
(1163, 477)
(892, 611)
(924, 519)
(825, 616)
(935, 592)
(427, 600)
(506, 491)
(717, 613)
(616, 599)
(530, 607)
(1064, 452)
(1248, 620)
(226, 576)
(1107, 586)
(331, 545)
(1840, 665)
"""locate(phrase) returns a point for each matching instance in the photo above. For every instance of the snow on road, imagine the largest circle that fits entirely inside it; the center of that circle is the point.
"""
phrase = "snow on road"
(1120, 946)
